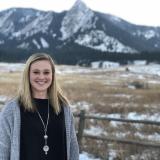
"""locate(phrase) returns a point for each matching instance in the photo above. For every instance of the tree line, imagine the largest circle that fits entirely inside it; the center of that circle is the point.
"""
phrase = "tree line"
(79, 55)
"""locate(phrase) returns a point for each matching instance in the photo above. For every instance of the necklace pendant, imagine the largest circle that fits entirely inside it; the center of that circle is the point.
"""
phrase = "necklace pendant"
(46, 149)
(45, 136)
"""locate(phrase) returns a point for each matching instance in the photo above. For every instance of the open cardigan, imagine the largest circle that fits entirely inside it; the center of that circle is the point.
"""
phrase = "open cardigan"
(10, 133)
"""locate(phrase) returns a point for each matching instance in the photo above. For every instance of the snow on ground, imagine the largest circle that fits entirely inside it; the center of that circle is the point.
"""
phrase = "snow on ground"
(106, 64)
(11, 67)
(3, 98)
(134, 116)
(95, 131)
(81, 106)
(127, 96)
(64, 69)
(153, 69)
(154, 136)
(86, 156)
(149, 117)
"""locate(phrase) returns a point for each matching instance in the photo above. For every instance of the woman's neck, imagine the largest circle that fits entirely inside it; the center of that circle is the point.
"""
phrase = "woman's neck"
(40, 96)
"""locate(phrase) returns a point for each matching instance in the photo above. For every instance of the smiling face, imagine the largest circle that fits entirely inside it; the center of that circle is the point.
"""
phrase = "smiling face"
(40, 75)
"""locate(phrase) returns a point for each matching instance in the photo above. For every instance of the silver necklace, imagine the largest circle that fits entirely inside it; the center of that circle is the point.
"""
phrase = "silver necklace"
(45, 147)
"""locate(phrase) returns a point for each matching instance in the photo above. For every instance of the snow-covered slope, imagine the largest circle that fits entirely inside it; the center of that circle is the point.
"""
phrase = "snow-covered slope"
(36, 30)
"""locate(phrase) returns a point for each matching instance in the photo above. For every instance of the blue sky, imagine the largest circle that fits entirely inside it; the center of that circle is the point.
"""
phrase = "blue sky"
(143, 12)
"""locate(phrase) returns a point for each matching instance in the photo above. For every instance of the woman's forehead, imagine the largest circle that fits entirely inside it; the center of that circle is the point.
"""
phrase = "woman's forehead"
(41, 64)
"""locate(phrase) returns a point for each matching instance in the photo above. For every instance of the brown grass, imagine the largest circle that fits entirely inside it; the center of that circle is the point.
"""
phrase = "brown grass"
(108, 92)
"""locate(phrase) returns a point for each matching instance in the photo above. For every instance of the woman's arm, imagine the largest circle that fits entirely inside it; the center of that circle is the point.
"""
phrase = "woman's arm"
(74, 148)
(5, 134)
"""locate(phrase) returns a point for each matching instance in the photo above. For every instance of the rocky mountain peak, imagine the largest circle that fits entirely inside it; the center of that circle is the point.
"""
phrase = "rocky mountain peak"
(79, 4)
(79, 16)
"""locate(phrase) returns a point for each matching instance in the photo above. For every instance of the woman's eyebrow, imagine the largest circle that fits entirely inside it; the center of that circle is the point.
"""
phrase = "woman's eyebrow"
(35, 70)
(46, 70)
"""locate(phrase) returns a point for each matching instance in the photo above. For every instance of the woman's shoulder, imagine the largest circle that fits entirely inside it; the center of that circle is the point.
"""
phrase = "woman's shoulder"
(10, 107)
(68, 111)
(66, 108)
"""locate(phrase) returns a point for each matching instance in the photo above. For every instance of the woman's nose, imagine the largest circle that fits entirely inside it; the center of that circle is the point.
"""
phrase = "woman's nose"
(41, 75)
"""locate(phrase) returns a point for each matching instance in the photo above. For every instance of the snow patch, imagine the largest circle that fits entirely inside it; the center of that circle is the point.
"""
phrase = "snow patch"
(95, 131)
(151, 69)
(104, 64)
(10, 67)
(148, 34)
(150, 117)
(54, 35)
(44, 43)
(24, 45)
(87, 156)
(97, 39)
(36, 43)
(6, 26)
(1, 41)
(39, 24)
(81, 106)
(3, 98)
(25, 19)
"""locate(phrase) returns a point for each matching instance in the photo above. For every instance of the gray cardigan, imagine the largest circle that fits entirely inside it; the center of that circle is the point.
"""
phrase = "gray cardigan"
(10, 133)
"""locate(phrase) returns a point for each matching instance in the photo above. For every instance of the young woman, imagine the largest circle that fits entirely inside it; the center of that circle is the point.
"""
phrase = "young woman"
(38, 124)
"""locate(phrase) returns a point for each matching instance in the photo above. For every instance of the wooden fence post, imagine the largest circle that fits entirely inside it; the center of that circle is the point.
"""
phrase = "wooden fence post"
(81, 128)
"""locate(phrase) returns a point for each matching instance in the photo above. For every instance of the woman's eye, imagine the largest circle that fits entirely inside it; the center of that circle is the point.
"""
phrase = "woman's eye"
(46, 73)
(36, 72)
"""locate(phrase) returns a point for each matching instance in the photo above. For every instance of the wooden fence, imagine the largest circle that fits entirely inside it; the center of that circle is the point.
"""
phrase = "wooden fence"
(81, 126)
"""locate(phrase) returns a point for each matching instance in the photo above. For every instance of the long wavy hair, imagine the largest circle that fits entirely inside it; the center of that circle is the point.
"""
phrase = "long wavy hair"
(55, 94)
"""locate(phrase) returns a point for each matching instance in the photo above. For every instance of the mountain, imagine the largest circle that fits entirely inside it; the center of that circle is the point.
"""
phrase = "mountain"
(78, 29)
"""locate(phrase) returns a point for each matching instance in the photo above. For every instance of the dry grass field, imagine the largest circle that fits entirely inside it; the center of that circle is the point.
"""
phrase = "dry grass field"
(108, 92)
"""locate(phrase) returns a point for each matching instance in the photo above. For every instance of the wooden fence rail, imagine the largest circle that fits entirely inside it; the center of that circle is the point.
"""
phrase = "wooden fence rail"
(81, 126)
(118, 119)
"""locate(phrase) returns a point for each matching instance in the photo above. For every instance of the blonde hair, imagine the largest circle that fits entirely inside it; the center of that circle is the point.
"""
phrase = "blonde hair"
(55, 94)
